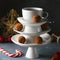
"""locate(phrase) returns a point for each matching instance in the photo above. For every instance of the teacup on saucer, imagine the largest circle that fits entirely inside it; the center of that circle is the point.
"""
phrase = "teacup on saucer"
(29, 12)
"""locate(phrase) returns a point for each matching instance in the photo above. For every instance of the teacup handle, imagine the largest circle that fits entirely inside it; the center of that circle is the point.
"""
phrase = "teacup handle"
(46, 13)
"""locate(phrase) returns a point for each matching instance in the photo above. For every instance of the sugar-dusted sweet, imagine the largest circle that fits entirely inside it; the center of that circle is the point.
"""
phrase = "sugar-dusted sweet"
(19, 26)
(21, 39)
(44, 26)
(36, 19)
(38, 40)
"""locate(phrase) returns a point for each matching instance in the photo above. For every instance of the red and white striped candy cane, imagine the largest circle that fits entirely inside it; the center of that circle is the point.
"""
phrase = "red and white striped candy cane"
(18, 53)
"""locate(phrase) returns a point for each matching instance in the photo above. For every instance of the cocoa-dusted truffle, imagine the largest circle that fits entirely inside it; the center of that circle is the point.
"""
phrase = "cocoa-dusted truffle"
(36, 19)
(21, 39)
(38, 40)
(19, 26)
(44, 26)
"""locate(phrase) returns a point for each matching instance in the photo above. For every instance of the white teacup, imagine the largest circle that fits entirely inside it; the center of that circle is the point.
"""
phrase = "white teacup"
(29, 12)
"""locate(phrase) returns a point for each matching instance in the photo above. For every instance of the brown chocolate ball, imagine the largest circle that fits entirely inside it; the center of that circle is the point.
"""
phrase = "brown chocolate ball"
(19, 26)
(44, 26)
(36, 19)
(38, 40)
(21, 39)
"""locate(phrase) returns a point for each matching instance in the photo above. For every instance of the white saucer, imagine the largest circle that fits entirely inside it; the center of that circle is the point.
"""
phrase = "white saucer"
(33, 33)
(25, 22)
(15, 40)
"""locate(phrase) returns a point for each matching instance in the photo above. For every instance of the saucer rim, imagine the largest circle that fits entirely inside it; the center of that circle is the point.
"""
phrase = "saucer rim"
(28, 45)
(25, 22)
(34, 33)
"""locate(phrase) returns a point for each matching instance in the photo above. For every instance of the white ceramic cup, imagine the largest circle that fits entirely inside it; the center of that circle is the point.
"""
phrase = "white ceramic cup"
(29, 12)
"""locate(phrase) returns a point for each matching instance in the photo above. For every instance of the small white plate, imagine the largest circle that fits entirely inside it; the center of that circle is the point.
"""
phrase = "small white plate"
(33, 33)
(15, 40)
(25, 22)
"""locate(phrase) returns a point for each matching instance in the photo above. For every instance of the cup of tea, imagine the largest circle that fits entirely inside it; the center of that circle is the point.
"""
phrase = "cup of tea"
(29, 12)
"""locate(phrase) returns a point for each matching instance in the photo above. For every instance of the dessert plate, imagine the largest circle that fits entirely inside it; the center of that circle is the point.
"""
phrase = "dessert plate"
(25, 22)
(31, 33)
(15, 40)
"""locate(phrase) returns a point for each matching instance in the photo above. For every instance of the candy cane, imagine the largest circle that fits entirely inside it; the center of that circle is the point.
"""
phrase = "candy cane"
(18, 53)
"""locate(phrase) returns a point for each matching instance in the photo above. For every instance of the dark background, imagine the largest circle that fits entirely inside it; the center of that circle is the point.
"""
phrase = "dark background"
(51, 6)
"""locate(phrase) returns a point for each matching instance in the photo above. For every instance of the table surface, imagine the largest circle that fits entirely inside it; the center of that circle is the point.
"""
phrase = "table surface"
(45, 51)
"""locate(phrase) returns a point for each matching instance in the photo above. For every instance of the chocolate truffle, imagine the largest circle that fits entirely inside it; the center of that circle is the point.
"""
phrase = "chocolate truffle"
(44, 26)
(36, 19)
(21, 39)
(38, 40)
(19, 26)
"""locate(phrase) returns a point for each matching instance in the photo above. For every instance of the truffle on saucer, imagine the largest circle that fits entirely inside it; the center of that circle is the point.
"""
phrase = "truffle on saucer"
(36, 19)
(44, 26)
(21, 39)
(19, 26)
(38, 40)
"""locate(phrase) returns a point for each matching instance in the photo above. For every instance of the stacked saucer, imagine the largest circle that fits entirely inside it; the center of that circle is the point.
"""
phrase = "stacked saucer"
(31, 29)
